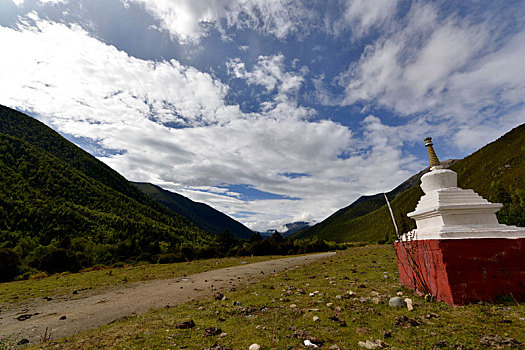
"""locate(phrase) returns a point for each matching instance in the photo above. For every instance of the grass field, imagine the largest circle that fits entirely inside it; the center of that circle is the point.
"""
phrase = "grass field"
(347, 295)
(91, 282)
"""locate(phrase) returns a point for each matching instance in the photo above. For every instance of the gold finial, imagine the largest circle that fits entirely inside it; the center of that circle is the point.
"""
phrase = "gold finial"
(432, 157)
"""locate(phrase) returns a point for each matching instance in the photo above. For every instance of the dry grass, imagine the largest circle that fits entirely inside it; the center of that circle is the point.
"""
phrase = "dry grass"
(266, 315)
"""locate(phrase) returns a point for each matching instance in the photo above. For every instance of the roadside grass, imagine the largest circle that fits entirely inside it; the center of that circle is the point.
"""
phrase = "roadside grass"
(93, 281)
(350, 297)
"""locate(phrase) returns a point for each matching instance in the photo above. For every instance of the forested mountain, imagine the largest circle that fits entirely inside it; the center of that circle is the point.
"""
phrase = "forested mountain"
(62, 209)
(496, 172)
(202, 215)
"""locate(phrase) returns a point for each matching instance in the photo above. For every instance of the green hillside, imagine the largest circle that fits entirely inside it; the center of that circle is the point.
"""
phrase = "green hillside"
(496, 172)
(202, 215)
(61, 209)
(40, 135)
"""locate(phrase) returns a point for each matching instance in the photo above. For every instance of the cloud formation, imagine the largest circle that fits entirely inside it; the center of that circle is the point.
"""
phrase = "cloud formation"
(188, 20)
(448, 68)
(309, 104)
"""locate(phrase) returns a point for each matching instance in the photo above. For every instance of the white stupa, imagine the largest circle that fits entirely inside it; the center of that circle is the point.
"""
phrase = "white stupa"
(449, 212)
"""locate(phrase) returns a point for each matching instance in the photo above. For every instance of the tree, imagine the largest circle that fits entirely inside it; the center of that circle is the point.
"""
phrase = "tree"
(9, 265)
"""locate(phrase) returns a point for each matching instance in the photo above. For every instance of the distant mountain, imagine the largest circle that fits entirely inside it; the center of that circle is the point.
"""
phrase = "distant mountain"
(56, 197)
(202, 215)
(496, 172)
(294, 227)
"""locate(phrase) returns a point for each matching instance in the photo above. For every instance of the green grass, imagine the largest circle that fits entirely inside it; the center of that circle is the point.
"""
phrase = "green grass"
(266, 317)
(94, 281)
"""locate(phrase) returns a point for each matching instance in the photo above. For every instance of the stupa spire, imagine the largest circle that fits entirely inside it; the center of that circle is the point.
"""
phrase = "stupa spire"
(432, 156)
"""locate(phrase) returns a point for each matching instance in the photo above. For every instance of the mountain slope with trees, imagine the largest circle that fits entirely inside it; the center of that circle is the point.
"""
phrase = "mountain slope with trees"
(62, 209)
(496, 172)
(202, 215)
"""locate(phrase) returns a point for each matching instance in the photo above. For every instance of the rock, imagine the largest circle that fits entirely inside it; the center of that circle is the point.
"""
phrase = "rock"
(376, 300)
(374, 293)
(334, 347)
(397, 302)
(219, 296)
(399, 294)
(315, 318)
(222, 335)
(329, 304)
(309, 343)
(254, 346)
(75, 291)
(363, 330)
(498, 342)
(47, 298)
(62, 317)
(23, 341)
(212, 331)
(387, 334)
(368, 344)
(24, 317)
(381, 344)
(293, 306)
(237, 303)
(409, 304)
(185, 325)
(406, 322)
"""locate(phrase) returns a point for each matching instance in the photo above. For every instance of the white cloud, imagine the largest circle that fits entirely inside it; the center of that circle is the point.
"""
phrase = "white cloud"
(189, 20)
(361, 16)
(92, 90)
(270, 72)
(448, 69)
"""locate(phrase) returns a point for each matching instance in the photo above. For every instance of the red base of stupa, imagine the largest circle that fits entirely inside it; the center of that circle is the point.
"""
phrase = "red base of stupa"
(462, 271)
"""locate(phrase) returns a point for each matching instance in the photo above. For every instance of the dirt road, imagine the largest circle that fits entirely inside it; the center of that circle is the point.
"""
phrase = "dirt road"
(68, 317)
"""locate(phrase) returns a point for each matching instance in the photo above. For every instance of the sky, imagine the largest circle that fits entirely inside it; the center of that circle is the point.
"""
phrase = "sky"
(271, 111)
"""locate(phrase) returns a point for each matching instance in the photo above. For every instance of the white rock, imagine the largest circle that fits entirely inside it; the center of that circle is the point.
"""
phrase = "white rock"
(293, 306)
(223, 335)
(307, 342)
(397, 302)
(254, 346)
(399, 294)
(368, 344)
(329, 304)
(409, 304)
(315, 318)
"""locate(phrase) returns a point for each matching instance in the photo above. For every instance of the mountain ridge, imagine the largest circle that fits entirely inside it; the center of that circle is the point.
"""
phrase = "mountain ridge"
(201, 214)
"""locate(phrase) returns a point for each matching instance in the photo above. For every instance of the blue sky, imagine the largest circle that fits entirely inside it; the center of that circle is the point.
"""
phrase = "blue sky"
(271, 111)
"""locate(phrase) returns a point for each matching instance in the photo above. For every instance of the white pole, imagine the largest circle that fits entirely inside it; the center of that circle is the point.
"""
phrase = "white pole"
(391, 214)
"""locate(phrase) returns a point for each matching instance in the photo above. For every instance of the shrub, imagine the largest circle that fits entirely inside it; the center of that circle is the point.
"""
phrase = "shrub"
(9, 265)
(58, 260)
